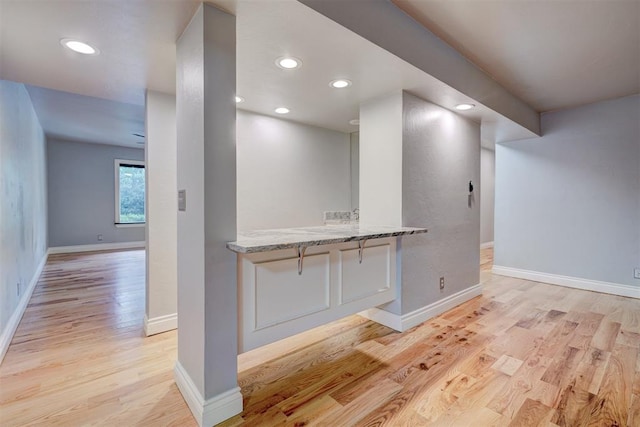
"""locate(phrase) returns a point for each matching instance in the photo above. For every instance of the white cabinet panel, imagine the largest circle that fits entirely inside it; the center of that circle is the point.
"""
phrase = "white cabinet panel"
(281, 294)
(276, 302)
(357, 279)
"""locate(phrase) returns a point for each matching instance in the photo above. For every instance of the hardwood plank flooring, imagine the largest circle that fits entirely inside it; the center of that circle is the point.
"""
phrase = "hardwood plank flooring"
(79, 356)
(522, 354)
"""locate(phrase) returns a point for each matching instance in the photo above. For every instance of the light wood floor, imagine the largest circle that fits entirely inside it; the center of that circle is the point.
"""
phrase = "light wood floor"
(523, 354)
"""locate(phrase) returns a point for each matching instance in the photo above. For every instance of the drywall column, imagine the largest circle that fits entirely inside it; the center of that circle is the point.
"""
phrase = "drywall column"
(206, 370)
(355, 170)
(161, 206)
(381, 161)
(487, 203)
(422, 157)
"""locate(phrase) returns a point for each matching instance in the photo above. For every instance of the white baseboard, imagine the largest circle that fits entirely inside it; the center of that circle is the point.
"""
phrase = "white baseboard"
(212, 411)
(409, 320)
(14, 320)
(570, 282)
(157, 325)
(96, 247)
(486, 245)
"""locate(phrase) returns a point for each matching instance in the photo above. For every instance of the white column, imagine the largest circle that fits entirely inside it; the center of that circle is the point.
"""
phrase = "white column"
(381, 161)
(161, 230)
(206, 370)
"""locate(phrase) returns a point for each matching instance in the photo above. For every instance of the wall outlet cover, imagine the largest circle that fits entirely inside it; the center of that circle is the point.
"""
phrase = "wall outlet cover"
(441, 283)
(18, 288)
(636, 273)
(99, 237)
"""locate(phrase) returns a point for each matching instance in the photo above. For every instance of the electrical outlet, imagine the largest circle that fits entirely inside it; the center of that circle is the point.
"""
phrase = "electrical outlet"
(99, 237)
(636, 273)
(18, 288)
(441, 283)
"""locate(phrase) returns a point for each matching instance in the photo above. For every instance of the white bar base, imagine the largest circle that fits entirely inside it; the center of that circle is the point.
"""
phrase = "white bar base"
(212, 411)
(407, 321)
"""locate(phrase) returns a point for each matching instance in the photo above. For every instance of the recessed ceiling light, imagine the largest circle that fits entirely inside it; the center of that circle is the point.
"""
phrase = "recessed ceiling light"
(80, 47)
(354, 122)
(464, 107)
(239, 99)
(282, 110)
(288, 62)
(340, 83)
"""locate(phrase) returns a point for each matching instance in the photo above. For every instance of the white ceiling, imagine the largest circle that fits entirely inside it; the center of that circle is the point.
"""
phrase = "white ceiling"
(84, 118)
(92, 98)
(136, 41)
(552, 54)
(526, 47)
(267, 30)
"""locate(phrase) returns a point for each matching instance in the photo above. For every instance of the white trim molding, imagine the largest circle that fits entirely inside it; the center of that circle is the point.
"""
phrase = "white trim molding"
(212, 411)
(96, 247)
(157, 325)
(570, 282)
(407, 321)
(131, 225)
(486, 245)
(14, 320)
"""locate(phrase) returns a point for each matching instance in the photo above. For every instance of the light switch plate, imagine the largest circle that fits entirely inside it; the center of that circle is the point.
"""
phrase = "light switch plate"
(182, 200)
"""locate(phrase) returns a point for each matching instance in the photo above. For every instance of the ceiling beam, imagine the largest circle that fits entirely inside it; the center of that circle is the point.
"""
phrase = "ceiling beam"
(387, 26)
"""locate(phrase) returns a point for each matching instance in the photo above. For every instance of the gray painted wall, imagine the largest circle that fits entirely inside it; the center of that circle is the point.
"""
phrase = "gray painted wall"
(487, 186)
(289, 173)
(569, 203)
(81, 186)
(441, 154)
(23, 204)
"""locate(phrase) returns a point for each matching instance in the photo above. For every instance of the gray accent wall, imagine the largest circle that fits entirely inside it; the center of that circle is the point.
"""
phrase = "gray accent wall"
(568, 203)
(81, 193)
(416, 161)
(440, 155)
(23, 204)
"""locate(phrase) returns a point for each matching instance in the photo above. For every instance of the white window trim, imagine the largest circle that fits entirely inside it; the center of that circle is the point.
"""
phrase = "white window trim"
(116, 168)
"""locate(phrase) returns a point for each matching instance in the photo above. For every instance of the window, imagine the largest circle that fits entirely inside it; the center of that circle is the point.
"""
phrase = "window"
(130, 183)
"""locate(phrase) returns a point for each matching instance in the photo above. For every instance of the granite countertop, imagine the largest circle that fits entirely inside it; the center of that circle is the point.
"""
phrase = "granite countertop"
(285, 238)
